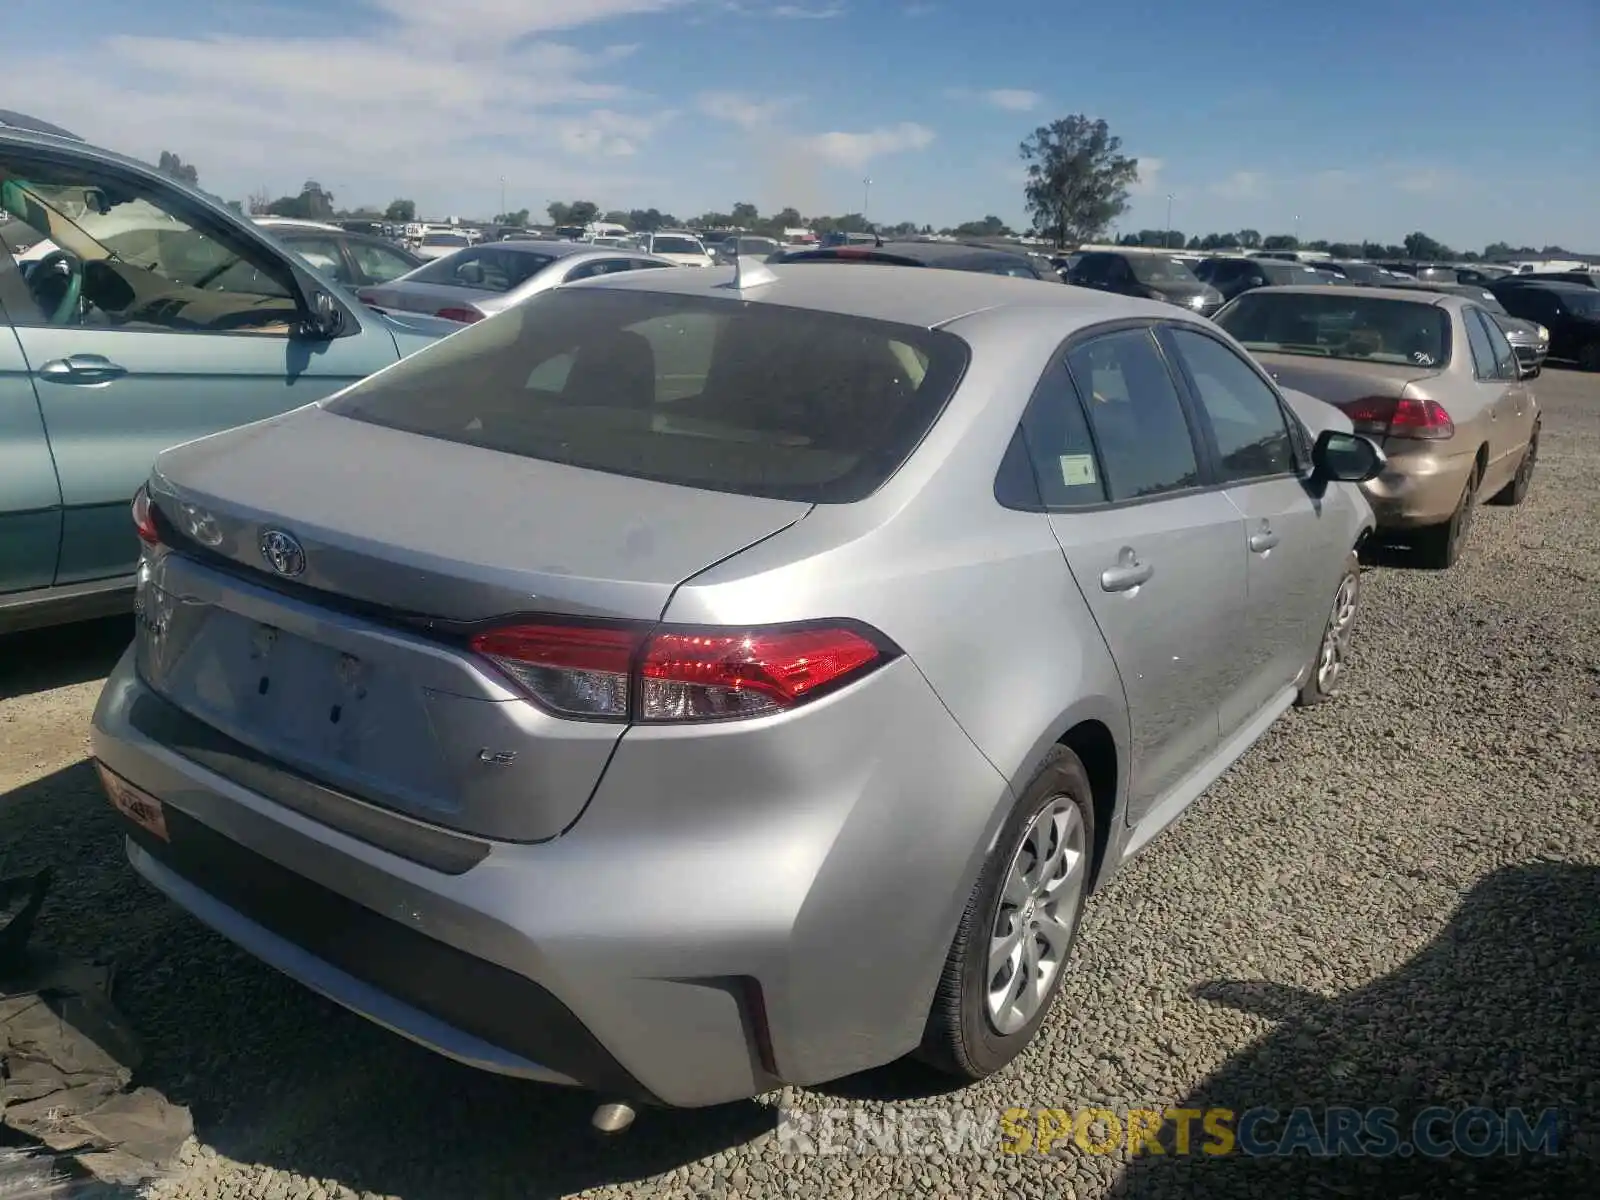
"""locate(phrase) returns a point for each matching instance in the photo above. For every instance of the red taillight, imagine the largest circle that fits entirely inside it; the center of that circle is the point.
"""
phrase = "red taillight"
(611, 673)
(1421, 419)
(573, 670)
(1385, 416)
(465, 315)
(144, 520)
(714, 676)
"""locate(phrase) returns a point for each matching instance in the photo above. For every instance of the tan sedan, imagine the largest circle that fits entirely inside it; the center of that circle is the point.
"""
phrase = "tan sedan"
(1431, 377)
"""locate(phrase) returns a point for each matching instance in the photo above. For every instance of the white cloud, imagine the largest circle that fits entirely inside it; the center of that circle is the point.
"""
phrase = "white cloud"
(607, 134)
(1013, 99)
(1150, 182)
(801, 12)
(859, 149)
(1241, 185)
(1006, 99)
(1427, 181)
(426, 106)
(741, 110)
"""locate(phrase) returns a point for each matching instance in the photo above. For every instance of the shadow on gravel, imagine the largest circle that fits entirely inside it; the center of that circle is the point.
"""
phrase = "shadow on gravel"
(41, 660)
(276, 1076)
(1502, 1011)
(904, 1079)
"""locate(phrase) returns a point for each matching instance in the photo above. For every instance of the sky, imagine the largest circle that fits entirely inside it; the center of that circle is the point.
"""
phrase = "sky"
(1472, 121)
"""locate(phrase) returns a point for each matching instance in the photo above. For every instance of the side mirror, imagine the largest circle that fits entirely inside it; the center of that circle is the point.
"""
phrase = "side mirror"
(323, 318)
(1346, 457)
(1527, 370)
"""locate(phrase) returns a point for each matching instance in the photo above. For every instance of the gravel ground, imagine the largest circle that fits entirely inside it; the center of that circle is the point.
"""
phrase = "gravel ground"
(1392, 900)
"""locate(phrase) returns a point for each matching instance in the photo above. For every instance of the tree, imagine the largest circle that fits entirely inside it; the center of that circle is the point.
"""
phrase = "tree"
(788, 218)
(1497, 250)
(990, 227)
(1248, 238)
(648, 220)
(236, 206)
(1280, 241)
(256, 203)
(745, 216)
(174, 167)
(1422, 247)
(616, 217)
(579, 212)
(401, 210)
(518, 218)
(1078, 179)
(849, 223)
(1344, 250)
(314, 203)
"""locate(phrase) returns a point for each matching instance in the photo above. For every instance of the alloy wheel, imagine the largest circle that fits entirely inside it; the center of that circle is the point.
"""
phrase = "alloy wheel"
(1336, 640)
(1040, 901)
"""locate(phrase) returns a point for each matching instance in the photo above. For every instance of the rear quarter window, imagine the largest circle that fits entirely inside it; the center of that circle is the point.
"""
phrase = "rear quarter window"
(754, 399)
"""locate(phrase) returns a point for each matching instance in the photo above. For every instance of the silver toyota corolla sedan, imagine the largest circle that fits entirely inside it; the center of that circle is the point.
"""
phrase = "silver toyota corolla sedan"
(482, 280)
(678, 686)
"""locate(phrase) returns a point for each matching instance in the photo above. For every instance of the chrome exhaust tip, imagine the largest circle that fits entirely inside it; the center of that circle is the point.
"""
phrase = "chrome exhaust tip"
(612, 1118)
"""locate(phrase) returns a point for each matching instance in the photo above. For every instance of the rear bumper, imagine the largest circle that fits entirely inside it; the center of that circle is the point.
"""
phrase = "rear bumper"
(1418, 489)
(707, 931)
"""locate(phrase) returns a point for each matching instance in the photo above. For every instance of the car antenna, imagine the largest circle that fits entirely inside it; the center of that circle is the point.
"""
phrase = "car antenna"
(749, 272)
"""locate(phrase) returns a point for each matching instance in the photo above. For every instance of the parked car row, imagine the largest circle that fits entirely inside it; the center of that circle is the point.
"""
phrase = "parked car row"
(560, 696)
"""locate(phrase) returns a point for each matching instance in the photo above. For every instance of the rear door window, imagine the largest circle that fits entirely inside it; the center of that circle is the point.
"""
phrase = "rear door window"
(758, 399)
(1483, 364)
(1247, 423)
(1138, 420)
(1505, 358)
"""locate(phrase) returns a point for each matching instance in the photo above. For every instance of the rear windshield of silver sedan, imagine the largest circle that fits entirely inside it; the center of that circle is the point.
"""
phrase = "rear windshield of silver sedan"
(1340, 323)
(676, 245)
(755, 399)
(490, 268)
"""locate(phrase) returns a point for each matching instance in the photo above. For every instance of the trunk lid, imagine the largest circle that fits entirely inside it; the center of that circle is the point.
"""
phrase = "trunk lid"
(1339, 381)
(310, 672)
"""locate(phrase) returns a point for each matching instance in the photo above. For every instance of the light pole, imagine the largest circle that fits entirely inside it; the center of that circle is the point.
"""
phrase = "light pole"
(502, 197)
(1297, 231)
(866, 197)
(1166, 236)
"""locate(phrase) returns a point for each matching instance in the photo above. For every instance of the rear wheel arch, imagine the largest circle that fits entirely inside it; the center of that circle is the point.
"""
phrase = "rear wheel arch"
(1094, 744)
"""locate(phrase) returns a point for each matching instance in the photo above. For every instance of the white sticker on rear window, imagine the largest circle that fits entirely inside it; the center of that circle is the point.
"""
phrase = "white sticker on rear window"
(1077, 469)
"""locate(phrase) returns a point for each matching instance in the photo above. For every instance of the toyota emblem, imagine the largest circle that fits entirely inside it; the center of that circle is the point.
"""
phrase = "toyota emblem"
(283, 553)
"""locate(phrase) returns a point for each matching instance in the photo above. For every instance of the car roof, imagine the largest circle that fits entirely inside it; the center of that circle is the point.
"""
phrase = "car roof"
(1554, 285)
(929, 252)
(11, 119)
(1420, 295)
(292, 223)
(905, 295)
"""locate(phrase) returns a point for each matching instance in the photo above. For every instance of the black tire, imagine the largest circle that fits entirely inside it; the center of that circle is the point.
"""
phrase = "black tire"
(1318, 687)
(1589, 357)
(960, 1038)
(1516, 491)
(1439, 546)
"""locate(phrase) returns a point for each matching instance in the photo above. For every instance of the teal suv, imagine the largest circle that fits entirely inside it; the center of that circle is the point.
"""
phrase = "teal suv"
(136, 314)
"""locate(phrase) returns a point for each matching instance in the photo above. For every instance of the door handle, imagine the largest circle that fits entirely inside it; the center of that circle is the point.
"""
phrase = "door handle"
(82, 368)
(1128, 574)
(1263, 539)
